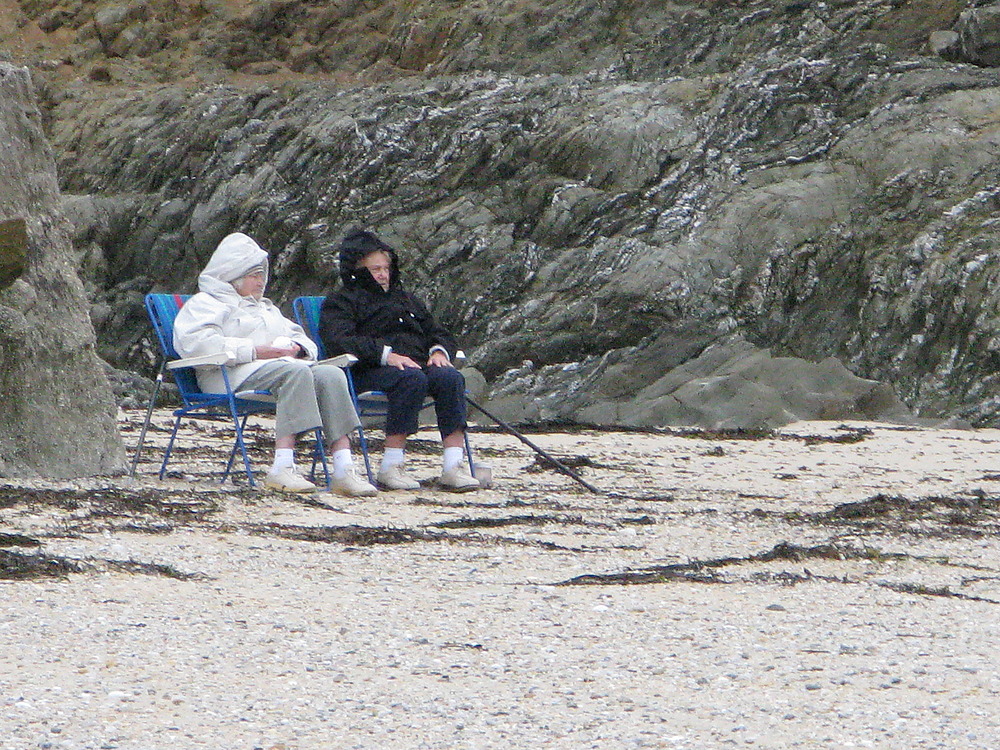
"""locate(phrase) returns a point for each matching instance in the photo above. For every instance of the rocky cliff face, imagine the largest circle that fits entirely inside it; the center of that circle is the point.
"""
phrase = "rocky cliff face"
(664, 207)
(57, 417)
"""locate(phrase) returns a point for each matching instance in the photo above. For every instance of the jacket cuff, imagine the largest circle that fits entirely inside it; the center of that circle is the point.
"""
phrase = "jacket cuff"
(245, 352)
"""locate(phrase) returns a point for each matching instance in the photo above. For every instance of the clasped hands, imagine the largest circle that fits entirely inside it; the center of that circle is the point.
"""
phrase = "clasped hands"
(400, 361)
(280, 347)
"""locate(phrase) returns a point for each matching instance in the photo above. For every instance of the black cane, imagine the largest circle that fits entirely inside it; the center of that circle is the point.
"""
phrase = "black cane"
(554, 461)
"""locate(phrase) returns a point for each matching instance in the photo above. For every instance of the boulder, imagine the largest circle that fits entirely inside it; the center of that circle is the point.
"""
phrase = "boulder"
(732, 384)
(946, 44)
(978, 32)
(57, 416)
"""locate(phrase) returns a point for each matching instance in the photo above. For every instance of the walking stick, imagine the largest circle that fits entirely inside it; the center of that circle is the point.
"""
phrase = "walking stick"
(554, 461)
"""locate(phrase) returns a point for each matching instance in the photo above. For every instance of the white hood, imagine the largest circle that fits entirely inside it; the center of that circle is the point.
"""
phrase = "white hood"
(218, 319)
(234, 256)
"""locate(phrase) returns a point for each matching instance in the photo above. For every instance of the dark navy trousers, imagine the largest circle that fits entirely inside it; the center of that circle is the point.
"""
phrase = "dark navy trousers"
(406, 390)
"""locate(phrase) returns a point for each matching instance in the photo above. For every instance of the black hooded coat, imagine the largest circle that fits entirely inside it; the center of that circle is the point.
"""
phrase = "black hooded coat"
(362, 319)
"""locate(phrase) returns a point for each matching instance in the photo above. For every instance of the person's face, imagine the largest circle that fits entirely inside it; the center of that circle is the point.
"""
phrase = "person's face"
(379, 265)
(251, 285)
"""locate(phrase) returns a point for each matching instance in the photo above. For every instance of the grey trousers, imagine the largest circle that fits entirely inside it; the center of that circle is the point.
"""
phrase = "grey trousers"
(307, 397)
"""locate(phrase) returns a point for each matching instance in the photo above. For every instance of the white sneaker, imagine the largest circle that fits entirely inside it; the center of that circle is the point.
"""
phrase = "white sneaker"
(288, 480)
(395, 478)
(351, 485)
(459, 479)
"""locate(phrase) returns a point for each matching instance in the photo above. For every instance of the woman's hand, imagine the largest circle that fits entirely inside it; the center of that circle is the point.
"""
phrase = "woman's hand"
(265, 351)
(400, 361)
(439, 359)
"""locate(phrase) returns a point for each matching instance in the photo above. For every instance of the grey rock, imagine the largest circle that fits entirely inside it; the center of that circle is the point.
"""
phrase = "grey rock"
(57, 417)
(978, 30)
(621, 198)
(731, 385)
(133, 391)
(947, 44)
(115, 19)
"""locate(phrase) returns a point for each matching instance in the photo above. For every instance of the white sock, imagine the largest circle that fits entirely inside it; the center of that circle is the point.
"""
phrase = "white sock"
(452, 458)
(392, 457)
(283, 459)
(342, 461)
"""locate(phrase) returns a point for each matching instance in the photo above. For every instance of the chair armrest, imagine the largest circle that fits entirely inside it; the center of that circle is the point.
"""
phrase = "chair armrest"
(341, 360)
(206, 359)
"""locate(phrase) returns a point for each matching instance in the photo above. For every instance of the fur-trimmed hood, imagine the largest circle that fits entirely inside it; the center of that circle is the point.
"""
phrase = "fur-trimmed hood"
(355, 246)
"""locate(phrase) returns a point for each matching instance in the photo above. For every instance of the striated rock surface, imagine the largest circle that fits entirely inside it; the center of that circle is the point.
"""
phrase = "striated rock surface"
(57, 417)
(731, 385)
(613, 192)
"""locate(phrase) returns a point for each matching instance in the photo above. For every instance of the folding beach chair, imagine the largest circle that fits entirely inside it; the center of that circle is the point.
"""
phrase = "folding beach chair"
(367, 403)
(233, 407)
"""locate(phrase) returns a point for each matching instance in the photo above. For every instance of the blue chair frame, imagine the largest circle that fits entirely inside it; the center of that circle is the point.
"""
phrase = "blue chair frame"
(233, 407)
(306, 310)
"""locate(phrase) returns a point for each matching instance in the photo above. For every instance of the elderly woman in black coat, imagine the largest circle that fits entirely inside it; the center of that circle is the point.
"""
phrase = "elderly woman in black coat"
(402, 351)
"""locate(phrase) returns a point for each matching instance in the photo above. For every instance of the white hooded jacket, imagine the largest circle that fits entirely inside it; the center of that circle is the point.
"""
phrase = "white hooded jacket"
(217, 319)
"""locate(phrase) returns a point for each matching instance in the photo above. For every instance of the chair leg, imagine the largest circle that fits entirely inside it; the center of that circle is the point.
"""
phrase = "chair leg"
(315, 460)
(149, 416)
(319, 456)
(232, 454)
(170, 447)
(229, 463)
(241, 445)
(363, 441)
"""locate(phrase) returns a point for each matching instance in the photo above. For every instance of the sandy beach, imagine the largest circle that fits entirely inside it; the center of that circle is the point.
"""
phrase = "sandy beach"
(829, 585)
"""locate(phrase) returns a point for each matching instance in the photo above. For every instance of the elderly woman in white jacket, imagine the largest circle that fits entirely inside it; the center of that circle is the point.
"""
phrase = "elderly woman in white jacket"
(269, 351)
